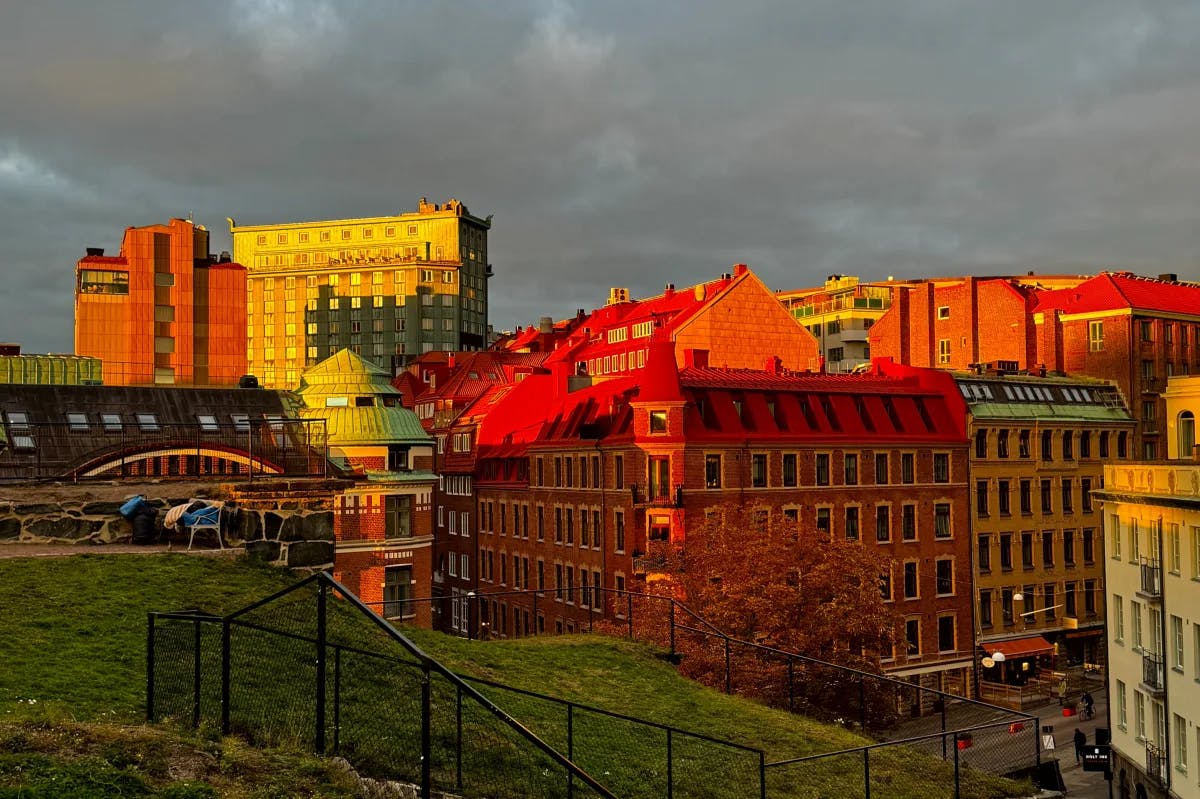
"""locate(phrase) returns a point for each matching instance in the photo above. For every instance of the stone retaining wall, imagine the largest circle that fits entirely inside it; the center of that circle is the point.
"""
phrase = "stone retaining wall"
(288, 523)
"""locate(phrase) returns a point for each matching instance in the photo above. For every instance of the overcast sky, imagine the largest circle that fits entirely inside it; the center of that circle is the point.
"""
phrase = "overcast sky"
(617, 143)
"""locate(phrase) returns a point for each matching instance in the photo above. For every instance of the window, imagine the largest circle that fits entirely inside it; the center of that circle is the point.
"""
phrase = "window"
(658, 421)
(911, 587)
(712, 471)
(1181, 736)
(1047, 501)
(881, 468)
(1003, 498)
(941, 467)
(111, 422)
(981, 444)
(397, 591)
(1050, 610)
(941, 520)
(945, 576)
(1135, 619)
(885, 586)
(912, 636)
(984, 553)
(1006, 551)
(1139, 715)
(946, 634)
(851, 469)
(77, 422)
(1026, 497)
(852, 523)
(909, 523)
(789, 469)
(1122, 716)
(1114, 528)
(397, 516)
(1176, 643)
(207, 422)
(1146, 330)
(101, 281)
(147, 422)
(985, 608)
(1002, 444)
(1047, 445)
(822, 467)
(1068, 503)
(1006, 605)
(907, 468)
(619, 530)
(1096, 336)
(943, 351)
(1069, 547)
(883, 523)
(943, 312)
(981, 497)
(758, 470)
(823, 520)
(1027, 551)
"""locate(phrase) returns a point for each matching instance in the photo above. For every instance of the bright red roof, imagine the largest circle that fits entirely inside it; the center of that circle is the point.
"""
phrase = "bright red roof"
(1115, 290)
(113, 260)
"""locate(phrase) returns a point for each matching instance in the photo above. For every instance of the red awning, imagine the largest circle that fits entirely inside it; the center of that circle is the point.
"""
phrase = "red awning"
(1020, 647)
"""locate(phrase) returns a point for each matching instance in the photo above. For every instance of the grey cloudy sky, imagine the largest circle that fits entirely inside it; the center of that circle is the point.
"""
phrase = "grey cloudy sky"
(618, 143)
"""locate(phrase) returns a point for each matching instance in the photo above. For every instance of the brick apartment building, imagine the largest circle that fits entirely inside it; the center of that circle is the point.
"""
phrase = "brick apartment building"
(581, 482)
(1115, 326)
(163, 312)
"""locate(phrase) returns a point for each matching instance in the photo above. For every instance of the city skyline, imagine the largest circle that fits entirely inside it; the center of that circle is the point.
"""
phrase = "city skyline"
(616, 145)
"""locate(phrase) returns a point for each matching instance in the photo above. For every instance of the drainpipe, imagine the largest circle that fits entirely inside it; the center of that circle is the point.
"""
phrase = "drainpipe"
(1162, 599)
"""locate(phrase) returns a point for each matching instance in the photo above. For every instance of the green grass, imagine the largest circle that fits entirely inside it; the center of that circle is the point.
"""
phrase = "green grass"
(80, 628)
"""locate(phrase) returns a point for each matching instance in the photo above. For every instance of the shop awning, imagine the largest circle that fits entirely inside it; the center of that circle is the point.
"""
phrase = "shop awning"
(1020, 647)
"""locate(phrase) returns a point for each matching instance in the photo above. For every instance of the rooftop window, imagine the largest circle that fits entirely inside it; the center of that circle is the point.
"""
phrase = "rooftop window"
(241, 422)
(77, 422)
(147, 422)
(207, 422)
(111, 422)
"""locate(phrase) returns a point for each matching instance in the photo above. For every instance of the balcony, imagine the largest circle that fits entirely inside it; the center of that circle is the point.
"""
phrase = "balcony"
(656, 496)
(1153, 385)
(1151, 587)
(850, 335)
(1153, 674)
(653, 560)
(1156, 764)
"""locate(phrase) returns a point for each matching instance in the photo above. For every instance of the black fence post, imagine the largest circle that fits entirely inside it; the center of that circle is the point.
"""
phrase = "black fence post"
(762, 775)
(535, 616)
(942, 702)
(149, 667)
(629, 610)
(957, 779)
(791, 684)
(570, 747)
(862, 701)
(426, 731)
(672, 617)
(337, 699)
(458, 739)
(866, 773)
(321, 642)
(670, 768)
(728, 675)
(196, 673)
(225, 675)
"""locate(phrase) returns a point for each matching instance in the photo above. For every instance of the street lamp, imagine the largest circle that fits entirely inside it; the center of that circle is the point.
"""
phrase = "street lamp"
(470, 608)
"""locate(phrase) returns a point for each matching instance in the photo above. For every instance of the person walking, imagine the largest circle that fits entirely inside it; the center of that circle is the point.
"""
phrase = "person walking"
(1080, 742)
(1062, 692)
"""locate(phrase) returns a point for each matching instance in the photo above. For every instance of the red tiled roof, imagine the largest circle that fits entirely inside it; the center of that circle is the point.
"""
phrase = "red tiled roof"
(1115, 290)
(113, 260)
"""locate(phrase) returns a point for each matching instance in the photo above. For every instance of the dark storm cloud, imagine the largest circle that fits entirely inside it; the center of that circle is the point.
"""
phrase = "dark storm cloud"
(617, 143)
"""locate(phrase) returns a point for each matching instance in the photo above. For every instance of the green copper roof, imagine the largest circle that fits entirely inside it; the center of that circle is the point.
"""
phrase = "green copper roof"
(1047, 412)
(350, 393)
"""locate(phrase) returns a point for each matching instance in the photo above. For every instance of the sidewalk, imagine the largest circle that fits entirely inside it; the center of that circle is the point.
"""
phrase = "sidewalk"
(1080, 783)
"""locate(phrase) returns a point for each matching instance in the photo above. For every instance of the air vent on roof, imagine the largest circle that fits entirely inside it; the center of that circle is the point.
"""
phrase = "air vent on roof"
(97, 251)
(248, 381)
(1170, 277)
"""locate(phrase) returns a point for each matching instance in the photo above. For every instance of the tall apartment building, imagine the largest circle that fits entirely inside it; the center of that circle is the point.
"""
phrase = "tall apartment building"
(1039, 446)
(1130, 330)
(384, 287)
(838, 315)
(164, 311)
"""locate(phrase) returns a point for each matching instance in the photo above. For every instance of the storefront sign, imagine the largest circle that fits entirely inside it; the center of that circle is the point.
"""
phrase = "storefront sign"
(1095, 758)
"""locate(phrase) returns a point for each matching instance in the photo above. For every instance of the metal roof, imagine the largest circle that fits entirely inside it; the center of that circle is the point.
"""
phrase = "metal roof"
(343, 379)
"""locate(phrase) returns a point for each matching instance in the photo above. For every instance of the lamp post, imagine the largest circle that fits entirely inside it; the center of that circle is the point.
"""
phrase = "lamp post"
(470, 611)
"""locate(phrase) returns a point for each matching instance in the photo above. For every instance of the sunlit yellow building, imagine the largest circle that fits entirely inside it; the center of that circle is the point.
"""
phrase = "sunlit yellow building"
(386, 287)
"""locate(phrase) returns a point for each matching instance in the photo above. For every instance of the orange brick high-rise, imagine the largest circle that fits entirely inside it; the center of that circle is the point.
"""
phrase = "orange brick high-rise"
(164, 311)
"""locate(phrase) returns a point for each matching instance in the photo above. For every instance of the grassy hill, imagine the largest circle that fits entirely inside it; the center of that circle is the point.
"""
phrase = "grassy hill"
(75, 653)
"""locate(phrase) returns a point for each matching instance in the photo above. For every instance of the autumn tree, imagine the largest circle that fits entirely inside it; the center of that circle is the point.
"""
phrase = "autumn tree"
(759, 577)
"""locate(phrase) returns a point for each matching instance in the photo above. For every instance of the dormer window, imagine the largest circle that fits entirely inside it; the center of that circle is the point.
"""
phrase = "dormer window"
(337, 402)
(364, 402)
(398, 459)
(658, 421)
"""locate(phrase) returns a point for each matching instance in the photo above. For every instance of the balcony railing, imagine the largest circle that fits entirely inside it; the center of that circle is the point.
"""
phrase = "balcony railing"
(1151, 578)
(1153, 676)
(655, 560)
(1156, 764)
(657, 496)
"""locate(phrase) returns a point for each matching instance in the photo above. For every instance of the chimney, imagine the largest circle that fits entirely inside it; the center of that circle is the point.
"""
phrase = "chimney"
(669, 290)
(1170, 277)
(740, 269)
(617, 294)
(546, 325)
(95, 251)
(773, 365)
(701, 292)
(450, 361)
(696, 359)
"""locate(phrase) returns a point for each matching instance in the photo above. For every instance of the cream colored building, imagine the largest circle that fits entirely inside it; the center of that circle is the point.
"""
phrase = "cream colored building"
(387, 288)
(1152, 576)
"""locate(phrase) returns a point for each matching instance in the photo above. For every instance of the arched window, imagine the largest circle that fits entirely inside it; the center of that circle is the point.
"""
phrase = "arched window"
(1187, 434)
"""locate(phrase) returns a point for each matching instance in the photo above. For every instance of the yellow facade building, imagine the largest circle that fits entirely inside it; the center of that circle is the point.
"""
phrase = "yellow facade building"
(387, 288)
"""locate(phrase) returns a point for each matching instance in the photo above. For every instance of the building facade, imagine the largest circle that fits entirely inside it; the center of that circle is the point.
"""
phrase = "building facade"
(383, 522)
(1039, 446)
(1152, 520)
(164, 311)
(386, 288)
(838, 315)
(582, 481)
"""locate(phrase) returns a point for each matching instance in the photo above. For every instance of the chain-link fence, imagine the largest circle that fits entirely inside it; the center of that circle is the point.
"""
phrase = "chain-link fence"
(300, 669)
